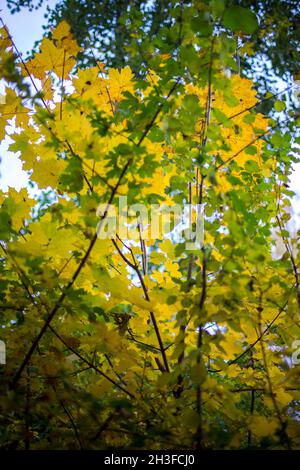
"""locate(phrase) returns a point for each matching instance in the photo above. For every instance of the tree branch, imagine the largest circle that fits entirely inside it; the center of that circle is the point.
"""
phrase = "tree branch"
(69, 285)
(135, 267)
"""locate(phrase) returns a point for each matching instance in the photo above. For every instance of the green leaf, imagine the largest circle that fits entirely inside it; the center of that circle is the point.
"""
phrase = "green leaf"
(251, 150)
(198, 373)
(72, 178)
(221, 117)
(5, 223)
(279, 106)
(249, 118)
(240, 19)
(277, 139)
(201, 25)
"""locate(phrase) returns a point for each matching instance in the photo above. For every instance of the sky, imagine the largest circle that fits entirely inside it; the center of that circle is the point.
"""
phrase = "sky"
(25, 26)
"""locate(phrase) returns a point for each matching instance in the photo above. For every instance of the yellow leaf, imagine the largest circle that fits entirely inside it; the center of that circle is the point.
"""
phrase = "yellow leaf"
(262, 426)
(119, 82)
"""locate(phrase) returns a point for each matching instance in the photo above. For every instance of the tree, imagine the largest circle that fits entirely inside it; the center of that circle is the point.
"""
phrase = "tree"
(109, 28)
(136, 340)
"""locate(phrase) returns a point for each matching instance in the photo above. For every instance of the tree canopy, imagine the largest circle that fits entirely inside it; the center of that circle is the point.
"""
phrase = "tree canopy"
(138, 340)
(108, 28)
